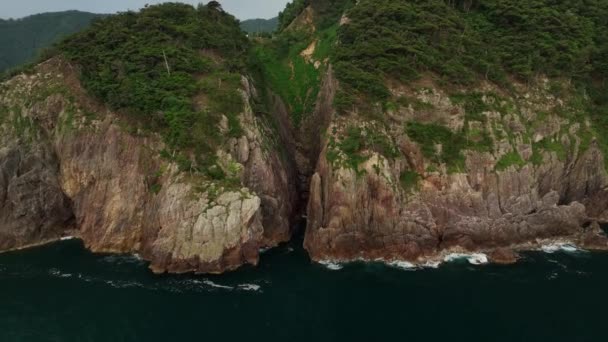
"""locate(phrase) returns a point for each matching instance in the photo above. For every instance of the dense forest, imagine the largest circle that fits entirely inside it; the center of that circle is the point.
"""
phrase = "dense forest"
(461, 41)
(21, 40)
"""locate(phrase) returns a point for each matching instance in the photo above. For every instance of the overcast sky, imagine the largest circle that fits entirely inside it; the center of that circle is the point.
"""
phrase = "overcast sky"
(242, 9)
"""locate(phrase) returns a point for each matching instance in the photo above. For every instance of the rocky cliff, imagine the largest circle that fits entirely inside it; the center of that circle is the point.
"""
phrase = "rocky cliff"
(524, 171)
(71, 166)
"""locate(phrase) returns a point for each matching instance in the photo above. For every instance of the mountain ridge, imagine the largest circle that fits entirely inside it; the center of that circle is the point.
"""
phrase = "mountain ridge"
(22, 40)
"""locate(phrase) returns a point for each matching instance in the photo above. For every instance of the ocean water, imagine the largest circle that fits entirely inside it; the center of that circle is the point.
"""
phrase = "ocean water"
(61, 292)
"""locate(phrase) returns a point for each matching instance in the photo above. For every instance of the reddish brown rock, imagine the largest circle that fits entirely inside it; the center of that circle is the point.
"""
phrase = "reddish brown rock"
(503, 256)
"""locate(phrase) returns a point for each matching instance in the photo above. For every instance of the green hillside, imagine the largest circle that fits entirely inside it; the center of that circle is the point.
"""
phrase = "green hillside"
(152, 65)
(253, 26)
(21, 40)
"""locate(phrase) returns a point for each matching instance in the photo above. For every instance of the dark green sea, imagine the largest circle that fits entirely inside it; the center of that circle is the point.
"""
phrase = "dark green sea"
(61, 292)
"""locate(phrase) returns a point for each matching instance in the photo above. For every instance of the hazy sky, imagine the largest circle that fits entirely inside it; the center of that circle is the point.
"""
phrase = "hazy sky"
(242, 9)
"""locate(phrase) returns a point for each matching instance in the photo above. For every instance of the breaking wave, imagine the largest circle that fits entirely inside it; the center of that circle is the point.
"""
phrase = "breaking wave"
(330, 265)
(561, 247)
(474, 259)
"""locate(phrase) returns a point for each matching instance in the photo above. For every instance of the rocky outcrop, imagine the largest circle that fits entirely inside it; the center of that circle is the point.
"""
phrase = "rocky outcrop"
(70, 163)
(407, 206)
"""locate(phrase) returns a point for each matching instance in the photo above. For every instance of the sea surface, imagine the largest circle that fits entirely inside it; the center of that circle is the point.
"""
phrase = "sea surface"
(61, 292)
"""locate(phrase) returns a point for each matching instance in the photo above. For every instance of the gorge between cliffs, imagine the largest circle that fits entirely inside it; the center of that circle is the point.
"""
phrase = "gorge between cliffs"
(199, 153)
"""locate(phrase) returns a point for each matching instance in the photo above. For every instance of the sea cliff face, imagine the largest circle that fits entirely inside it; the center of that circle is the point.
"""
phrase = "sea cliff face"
(70, 166)
(426, 168)
(503, 172)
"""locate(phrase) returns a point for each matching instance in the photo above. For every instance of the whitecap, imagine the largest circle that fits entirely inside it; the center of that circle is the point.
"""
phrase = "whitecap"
(331, 265)
(66, 238)
(250, 287)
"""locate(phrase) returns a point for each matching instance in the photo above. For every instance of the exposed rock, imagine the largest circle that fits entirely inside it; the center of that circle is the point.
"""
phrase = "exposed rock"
(33, 209)
(503, 256)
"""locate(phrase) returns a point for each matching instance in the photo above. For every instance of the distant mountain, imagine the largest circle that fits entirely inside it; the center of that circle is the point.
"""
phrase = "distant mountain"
(22, 39)
(260, 25)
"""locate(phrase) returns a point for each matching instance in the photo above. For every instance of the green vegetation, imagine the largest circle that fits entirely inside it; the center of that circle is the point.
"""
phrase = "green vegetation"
(410, 181)
(279, 61)
(510, 159)
(348, 151)
(476, 103)
(428, 136)
(291, 12)
(171, 68)
(552, 145)
(463, 41)
(23, 39)
(260, 26)
(287, 73)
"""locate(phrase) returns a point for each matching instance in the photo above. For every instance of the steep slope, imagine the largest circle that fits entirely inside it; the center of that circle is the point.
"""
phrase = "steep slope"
(169, 159)
(23, 39)
(448, 136)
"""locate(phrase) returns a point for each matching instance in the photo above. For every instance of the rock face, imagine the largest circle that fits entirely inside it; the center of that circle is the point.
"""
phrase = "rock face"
(33, 208)
(68, 162)
(405, 205)
(507, 174)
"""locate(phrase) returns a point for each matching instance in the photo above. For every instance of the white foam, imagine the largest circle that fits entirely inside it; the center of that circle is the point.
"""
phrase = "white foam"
(404, 265)
(334, 266)
(250, 287)
(474, 259)
(431, 264)
(65, 238)
(217, 286)
(560, 247)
